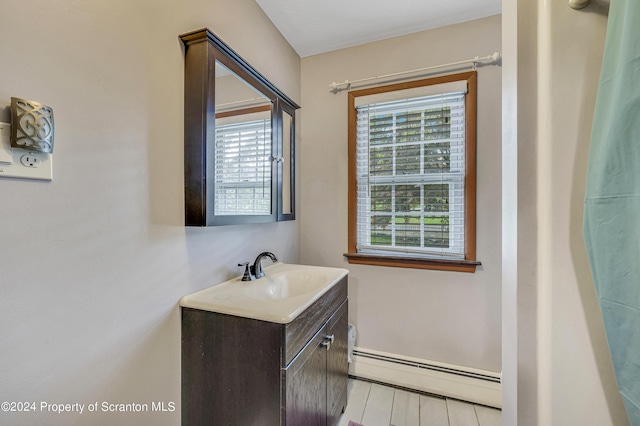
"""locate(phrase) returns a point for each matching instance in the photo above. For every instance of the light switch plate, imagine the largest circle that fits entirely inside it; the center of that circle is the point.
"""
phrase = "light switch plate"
(22, 163)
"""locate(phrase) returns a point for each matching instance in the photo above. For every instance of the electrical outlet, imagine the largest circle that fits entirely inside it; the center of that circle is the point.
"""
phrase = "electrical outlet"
(30, 160)
(23, 163)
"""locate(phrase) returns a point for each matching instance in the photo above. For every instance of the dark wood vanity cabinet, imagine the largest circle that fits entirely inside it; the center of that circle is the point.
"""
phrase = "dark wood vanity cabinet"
(320, 370)
(242, 371)
(337, 366)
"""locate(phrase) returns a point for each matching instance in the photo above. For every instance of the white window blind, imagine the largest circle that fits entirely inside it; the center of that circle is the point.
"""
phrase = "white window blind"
(243, 168)
(410, 168)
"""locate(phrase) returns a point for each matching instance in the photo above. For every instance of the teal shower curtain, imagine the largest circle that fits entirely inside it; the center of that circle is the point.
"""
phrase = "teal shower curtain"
(612, 203)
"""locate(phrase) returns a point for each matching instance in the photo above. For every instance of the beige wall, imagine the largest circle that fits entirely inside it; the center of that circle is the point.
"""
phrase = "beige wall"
(443, 316)
(93, 264)
(556, 365)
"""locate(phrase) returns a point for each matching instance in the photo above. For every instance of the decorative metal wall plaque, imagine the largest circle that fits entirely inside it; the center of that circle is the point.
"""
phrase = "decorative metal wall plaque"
(31, 125)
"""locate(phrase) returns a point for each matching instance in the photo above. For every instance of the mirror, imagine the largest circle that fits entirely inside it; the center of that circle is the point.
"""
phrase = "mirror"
(285, 165)
(242, 147)
(239, 139)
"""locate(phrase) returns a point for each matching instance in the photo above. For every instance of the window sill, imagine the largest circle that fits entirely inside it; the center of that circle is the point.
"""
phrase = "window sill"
(412, 262)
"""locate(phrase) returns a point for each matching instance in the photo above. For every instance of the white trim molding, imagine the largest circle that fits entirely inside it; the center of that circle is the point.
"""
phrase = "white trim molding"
(453, 381)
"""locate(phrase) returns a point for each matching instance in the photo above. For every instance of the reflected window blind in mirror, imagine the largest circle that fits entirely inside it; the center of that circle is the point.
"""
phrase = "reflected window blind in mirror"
(243, 167)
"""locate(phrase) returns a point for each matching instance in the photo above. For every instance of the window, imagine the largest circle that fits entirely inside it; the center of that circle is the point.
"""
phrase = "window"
(243, 164)
(412, 174)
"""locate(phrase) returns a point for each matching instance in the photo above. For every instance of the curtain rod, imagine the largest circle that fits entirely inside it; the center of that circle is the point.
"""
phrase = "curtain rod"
(494, 58)
(579, 4)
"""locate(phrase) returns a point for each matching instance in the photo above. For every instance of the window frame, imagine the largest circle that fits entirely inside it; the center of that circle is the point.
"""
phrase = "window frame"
(469, 263)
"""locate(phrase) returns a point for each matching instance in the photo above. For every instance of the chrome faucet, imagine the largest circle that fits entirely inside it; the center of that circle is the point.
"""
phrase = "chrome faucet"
(253, 272)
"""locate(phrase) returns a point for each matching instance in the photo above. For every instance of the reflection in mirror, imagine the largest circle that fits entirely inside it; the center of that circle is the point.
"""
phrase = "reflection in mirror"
(287, 129)
(242, 147)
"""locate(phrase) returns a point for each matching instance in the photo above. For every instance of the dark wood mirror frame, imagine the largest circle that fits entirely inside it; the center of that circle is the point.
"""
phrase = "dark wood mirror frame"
(202, 49)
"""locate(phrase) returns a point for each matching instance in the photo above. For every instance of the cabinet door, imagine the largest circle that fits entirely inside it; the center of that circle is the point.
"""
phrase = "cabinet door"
(305, 378)
(337, 365)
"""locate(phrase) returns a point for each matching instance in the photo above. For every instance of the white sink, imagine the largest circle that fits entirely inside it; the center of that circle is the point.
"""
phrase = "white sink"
(280, 296)
(286, 284)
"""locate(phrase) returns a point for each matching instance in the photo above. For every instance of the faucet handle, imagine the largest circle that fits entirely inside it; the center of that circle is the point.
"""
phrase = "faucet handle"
(246, 276)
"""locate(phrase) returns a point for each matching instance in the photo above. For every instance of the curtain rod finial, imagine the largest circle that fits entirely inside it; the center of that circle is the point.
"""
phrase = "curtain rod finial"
(579, 4)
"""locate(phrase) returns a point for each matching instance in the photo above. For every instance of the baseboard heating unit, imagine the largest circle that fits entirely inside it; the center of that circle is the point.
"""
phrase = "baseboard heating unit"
(467, 384)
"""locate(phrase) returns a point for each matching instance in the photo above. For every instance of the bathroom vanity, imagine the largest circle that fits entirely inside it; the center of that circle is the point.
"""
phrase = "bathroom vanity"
(267, 352)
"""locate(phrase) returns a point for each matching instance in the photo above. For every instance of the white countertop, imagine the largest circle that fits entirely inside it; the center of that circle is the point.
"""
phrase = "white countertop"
(280, 296)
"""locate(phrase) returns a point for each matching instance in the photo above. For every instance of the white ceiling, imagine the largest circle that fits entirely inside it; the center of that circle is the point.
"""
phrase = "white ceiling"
(319, 26)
